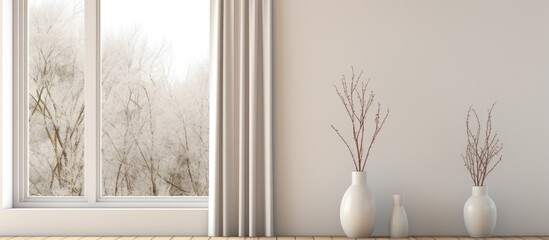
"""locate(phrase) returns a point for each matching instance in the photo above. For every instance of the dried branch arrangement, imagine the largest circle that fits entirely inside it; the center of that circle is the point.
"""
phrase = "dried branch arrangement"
(481, 154)
(357, 101)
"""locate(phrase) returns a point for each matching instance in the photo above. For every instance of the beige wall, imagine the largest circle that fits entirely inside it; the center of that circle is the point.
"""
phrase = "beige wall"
(428, 60)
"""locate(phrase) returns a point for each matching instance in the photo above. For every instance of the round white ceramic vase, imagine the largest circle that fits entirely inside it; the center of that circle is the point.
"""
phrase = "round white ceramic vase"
(357, 211)
(398, 223)
(480, 213)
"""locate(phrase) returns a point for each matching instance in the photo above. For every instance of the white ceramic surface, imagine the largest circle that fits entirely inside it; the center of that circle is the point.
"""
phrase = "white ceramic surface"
(357, 211)
(480, 213)
(398, 223)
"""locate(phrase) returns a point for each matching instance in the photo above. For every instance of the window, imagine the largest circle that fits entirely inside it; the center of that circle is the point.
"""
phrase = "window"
(113, 114)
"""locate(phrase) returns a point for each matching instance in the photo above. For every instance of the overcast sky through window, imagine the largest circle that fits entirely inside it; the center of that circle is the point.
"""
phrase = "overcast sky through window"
(183, 24)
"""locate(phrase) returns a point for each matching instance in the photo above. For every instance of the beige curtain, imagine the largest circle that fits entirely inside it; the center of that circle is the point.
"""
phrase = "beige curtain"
(241, 183)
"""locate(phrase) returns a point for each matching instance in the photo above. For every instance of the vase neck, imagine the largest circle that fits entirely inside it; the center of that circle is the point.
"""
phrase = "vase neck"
(397, 200)
(480, 190)
(359, 178)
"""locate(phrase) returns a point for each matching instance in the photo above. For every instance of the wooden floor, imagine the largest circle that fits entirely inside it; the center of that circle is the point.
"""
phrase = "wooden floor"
(260, 238)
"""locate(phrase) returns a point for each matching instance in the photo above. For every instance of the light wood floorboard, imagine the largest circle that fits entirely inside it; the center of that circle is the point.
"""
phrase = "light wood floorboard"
(262, 238)
(19, 238)
(342, 238)
(285, 238)
(158, 238)
(205, 238)
(92, 238)
(69, 238)
(322, 238)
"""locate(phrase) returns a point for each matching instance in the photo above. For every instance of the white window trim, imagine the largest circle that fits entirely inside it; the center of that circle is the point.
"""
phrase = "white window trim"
(70, 221)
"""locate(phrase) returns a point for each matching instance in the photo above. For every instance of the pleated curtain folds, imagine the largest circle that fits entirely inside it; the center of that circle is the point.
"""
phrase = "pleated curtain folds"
(241, 179)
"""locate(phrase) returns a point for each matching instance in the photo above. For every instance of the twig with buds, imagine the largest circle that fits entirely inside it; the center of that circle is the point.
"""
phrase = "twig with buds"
(356, 100)
(481, 150)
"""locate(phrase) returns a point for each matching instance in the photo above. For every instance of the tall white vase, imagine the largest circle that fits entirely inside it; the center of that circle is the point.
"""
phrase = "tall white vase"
(357, 211)
(480, 213)
(398, 223)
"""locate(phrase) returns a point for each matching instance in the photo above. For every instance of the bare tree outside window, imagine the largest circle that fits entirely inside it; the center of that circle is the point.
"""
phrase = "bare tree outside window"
(154, 105)
(55, 97)
(154, 131)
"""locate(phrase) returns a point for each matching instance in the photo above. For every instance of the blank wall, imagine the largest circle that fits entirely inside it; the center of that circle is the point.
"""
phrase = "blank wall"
(428, 61)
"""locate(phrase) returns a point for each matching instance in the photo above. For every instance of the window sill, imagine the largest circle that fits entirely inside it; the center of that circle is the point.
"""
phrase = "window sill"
(147, 209)
(103, 221)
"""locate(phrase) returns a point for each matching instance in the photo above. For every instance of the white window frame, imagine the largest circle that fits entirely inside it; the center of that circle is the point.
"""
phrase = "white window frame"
(92, 167)
(114, 218)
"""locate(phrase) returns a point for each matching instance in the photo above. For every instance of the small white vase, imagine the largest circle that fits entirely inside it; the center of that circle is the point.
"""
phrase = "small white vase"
(398, 223)
(480, 213)
(357, 211)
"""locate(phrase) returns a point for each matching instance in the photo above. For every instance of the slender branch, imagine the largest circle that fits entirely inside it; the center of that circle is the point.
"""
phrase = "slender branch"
(348, 147)
(376, 132)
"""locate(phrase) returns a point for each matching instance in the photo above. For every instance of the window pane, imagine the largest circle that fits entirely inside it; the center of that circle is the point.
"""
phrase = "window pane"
(55, 97)
(154, 99)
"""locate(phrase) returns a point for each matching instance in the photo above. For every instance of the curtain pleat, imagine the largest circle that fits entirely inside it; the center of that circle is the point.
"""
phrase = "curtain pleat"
(241, 184)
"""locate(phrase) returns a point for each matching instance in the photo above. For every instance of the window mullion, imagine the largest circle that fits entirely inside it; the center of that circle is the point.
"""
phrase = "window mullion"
(91, 82)
(20, 92)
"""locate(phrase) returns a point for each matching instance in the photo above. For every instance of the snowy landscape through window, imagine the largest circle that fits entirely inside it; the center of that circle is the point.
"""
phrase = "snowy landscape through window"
(56, 99)
(152, 90)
